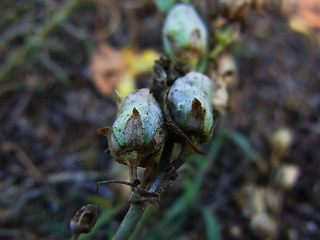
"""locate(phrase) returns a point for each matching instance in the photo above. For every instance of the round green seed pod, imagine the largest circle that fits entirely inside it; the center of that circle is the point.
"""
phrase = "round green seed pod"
(184, 33)
(189, 103)
(137, 134)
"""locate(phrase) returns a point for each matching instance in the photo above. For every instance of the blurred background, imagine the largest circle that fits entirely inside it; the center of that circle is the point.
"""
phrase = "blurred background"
(61, 60)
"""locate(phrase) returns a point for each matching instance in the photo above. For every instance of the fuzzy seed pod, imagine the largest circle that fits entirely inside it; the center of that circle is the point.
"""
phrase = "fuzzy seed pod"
(184, 33)
(189, 102)
(137, 135)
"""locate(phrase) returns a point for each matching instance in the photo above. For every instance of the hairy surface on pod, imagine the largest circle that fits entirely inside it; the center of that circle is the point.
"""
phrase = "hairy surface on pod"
(189, 101)
(138, 130)
(184, 33)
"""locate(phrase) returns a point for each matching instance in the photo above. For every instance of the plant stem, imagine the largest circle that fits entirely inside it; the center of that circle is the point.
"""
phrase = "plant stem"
(75, 236)
(136, 209)
(166, 154)
(183, 156)
(132, 165)
(130, 221)
(137, 232)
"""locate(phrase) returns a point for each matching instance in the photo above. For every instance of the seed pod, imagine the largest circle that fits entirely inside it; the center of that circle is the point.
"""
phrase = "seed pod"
(137, 136)
(184, 33)
(84, 220)
(189, 103)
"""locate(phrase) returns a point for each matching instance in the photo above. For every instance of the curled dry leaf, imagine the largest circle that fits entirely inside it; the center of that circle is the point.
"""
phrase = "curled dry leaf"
(107, 67)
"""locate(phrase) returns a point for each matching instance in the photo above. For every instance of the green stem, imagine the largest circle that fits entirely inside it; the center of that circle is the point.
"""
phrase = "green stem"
(216, 51)
(202, 64)
(75, 236)
(136, 234)
(183, 156)
(135, 211)
(166, 155)
(130, 221)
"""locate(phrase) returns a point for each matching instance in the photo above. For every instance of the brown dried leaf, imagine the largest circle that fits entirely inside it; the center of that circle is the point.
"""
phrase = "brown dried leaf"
(304, 16)
(309, 11)
(107, 67)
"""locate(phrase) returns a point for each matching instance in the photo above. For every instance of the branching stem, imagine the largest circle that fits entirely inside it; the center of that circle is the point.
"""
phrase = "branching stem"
(136, 209)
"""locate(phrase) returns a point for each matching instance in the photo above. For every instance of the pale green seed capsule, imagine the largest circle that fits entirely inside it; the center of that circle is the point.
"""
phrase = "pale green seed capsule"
(137, 134)
(184, 33)
(189, 102)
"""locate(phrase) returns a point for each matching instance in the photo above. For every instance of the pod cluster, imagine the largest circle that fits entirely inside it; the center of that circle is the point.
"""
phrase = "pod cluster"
(139, 134)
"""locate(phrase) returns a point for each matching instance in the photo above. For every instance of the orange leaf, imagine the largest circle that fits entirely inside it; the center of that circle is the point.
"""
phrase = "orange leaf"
(107, 68)
(309, 11)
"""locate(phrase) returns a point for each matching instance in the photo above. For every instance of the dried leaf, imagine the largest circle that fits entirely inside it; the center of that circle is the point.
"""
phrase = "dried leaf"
(126, 84)
(139, 62)
(309, 11)
(116, 69)
(107, 67)
(297, 24)
(305, 17)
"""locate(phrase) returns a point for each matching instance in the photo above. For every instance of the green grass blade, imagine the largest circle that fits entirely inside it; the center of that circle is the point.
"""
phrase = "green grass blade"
(211, 223)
